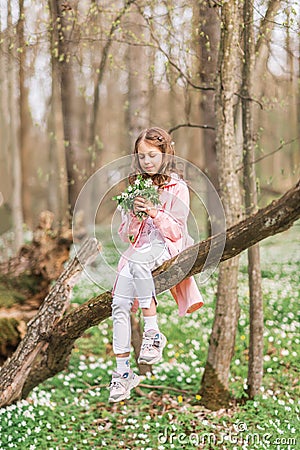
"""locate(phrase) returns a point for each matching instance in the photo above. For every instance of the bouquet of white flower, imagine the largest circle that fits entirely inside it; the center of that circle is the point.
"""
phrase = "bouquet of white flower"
(140, 188)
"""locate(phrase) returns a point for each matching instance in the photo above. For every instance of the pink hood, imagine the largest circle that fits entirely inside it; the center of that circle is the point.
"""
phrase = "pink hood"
(171, 220)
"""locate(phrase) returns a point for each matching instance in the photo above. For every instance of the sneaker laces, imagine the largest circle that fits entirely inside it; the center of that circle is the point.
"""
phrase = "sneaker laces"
(149, 342)
(115, 383)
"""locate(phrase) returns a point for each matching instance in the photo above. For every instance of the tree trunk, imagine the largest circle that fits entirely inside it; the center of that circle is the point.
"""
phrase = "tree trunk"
(40, 328)
(101, 71)
(5, 157)
(209, 37)
(214, 389)
(136, 341)
(14, 144)
(263, 40)
(50, 344)
(58, 182)
(25, 123)
(255, 367)
(65, 26)
(138, 81)
(25, 280)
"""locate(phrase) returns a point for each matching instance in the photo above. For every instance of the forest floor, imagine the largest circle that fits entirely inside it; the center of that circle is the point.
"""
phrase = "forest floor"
(71, 410)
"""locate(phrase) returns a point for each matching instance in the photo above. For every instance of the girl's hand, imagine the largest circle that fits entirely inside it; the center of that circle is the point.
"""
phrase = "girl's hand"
(135, 306)
(141, 204)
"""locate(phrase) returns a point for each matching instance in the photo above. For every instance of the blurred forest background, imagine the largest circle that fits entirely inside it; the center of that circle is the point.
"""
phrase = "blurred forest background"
(80, 79)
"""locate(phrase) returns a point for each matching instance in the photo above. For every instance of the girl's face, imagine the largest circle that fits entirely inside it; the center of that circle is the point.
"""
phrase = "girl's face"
(150, 158)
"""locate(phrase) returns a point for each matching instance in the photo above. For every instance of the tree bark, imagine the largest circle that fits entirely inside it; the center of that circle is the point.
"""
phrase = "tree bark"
(264, 36)
(58, 182)
(14, 142)
(25, 280)
(15, 374)
(24, 120)
(136, 341)
(137, 113)
(50, 344)
(5, 156)
(101, 71)
(65, 26)
(46, 254)
(255, 367)
(222, 340)
(209, 37)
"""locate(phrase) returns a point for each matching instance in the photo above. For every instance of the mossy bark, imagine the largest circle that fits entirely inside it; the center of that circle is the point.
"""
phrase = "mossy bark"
(214, 395)
(16, 290)
(25, 278)
(10, 337)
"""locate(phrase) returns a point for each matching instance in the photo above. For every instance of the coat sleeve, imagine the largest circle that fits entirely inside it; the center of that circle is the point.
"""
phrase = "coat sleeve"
(129, 227)
(172, 222)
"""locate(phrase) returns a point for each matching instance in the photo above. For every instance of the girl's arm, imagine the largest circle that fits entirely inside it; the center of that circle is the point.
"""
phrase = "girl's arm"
(172, 222)
(129, 227)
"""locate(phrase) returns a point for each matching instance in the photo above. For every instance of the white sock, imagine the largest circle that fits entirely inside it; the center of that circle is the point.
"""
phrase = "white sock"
(150, 323)
(123, 364)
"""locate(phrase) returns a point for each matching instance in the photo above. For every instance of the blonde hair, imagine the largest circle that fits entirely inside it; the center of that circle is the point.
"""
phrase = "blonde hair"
(160, 139)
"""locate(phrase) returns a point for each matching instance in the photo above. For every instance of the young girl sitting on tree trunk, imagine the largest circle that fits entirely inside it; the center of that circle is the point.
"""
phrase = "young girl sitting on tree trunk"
(155, 234)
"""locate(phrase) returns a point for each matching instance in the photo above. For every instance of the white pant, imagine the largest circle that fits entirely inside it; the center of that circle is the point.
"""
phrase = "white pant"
(134, 281)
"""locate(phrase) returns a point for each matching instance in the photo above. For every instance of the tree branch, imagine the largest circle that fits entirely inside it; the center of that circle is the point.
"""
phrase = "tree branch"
(47, 346)
(115, 25)
(17, 370)
(191, 125)
(283, 144)
(172, 63)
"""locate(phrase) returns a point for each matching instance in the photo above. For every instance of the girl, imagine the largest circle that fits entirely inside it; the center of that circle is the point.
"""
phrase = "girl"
(161, 235)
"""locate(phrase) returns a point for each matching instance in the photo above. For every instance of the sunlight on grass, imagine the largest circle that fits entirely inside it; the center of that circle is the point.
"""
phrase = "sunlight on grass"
(71, 410)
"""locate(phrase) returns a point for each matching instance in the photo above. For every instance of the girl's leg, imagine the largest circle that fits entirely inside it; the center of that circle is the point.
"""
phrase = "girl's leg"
(148, 312)
(140, 266)
(124, 379)
(121, 306)
(150, 317)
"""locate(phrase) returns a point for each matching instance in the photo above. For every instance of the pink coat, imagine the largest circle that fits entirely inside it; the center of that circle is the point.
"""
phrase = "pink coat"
(171, 220)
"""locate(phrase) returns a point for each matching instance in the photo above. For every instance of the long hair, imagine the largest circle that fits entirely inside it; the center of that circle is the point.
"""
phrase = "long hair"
(159, 138)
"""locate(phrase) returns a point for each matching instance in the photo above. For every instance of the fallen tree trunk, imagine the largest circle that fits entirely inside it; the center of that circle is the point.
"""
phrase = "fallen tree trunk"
(26, 277)
(29, 354)
(46, 347)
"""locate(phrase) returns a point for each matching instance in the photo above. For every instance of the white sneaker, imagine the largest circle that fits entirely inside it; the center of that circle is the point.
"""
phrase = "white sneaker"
(152, 347)
(121, 385)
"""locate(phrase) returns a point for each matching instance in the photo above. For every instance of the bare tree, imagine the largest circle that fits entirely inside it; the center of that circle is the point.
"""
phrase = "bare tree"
(58, 190)
(255, 369)
(214, 389)
(100, 73)
(4, 153)
(137, 111)
(24, 119)
(64, 24)
(264, 36)
(208, 38)
(14, 136)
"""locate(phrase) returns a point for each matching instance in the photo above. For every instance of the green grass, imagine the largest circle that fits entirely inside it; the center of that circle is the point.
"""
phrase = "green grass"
(71, 410)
